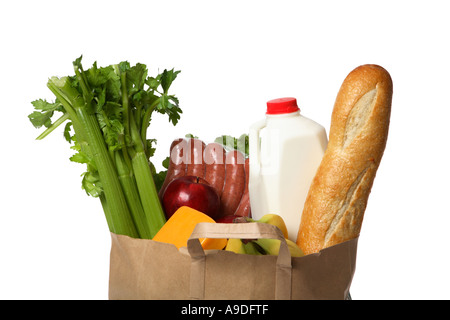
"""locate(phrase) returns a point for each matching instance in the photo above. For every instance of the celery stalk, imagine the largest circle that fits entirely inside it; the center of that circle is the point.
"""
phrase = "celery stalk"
(63, 118)
(121, 221)
(148, 193)
(109, 110)
(131, 192)
(88, 129)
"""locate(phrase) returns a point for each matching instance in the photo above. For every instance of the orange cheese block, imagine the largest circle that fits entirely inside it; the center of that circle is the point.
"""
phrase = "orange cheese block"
(179, 227)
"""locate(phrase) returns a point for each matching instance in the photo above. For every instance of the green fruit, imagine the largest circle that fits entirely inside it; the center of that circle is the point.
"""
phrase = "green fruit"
(294, 249)
(274, 220)
(251, 248)
(272, 247)
(236, 246)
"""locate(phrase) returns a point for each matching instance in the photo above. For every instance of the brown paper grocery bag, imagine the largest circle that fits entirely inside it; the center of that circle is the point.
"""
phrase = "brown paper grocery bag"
(146, 269)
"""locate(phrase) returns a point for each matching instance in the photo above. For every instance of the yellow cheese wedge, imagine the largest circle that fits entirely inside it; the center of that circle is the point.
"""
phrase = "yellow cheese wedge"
(179, 227)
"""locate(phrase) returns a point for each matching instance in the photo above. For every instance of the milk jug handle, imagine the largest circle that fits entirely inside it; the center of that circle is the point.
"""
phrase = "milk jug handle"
(255, 147)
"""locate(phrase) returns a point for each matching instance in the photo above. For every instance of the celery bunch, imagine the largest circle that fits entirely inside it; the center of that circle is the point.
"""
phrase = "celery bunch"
(107, 112)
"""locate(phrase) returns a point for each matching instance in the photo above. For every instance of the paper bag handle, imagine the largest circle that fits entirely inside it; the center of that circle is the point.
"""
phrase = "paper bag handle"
(253, 230)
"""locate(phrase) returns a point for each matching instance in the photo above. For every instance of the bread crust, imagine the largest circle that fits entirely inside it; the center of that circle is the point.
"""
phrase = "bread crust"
(337, 198)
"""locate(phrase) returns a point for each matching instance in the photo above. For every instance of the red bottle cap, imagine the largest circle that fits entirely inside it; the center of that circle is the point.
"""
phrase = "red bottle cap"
(282, 105)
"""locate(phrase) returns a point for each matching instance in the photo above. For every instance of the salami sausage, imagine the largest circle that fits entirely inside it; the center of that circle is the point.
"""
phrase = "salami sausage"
(244, 209)
(177, 163)
(195, 163)
(247, 173)
(234, 185)
(214, 158)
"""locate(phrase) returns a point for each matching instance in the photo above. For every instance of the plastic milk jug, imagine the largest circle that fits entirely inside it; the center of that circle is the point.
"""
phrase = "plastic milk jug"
(285, 150)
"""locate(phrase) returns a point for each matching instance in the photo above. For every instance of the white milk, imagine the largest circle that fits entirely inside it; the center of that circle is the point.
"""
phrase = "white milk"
(285, 151)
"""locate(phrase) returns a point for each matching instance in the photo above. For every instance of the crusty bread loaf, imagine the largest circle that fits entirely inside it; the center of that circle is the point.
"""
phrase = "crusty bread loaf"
(337, 198)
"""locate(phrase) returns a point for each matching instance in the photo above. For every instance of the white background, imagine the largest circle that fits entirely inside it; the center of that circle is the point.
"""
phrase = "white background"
(234, 56)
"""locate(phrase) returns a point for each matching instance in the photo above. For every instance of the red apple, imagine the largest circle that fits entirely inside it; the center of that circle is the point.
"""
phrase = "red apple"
(193, 192)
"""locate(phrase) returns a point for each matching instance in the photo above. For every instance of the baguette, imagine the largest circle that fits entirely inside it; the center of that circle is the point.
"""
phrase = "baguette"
(337, 198)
